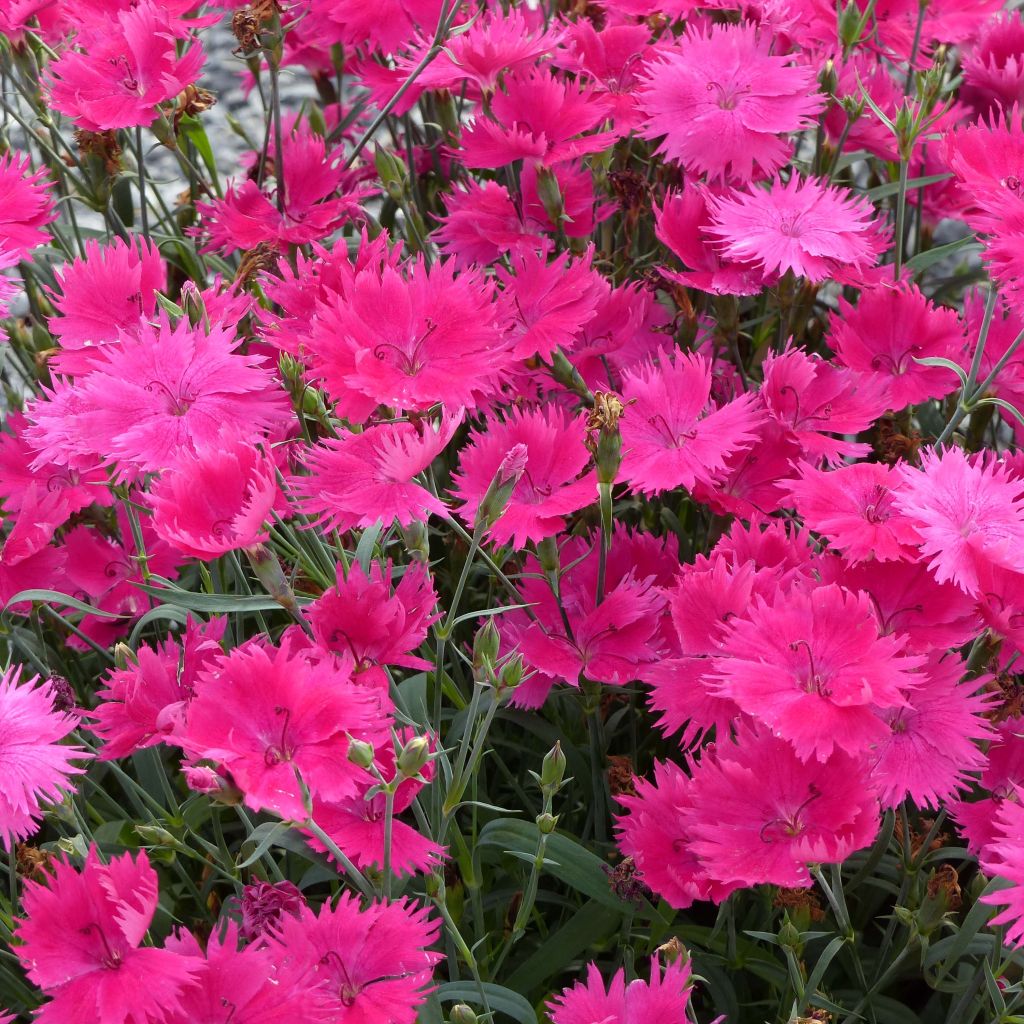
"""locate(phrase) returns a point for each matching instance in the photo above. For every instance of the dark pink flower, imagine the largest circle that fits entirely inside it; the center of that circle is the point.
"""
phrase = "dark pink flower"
(26, 206)
(811, 666)
(722, 103)
(554, 482)
(131, 66)
(360, 479)
(804, 225)
(1004, 856)
(672, 433)
(270, 714)
(81, 943)
(262, 905)
(374, 963)
(35, 765)
(215, 499)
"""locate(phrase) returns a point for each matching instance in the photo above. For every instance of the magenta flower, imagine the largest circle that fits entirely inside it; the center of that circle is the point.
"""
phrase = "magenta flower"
(664, 998)
(933, 747)
(216, 499)
(167, 390)
(360, 479)
(26, 206)
(35, 765)
(553, 484)
(409, 338)
(101, 295)
(374, 962)
(1004, 856)
(268, 714)
(888, 331)
(811, 665)
(760, 814)
(805, 226)
(81, 943)
(722, 103)
(968, 513)
(853, 507)
(672, 432)
(130, 67)
(362, 616)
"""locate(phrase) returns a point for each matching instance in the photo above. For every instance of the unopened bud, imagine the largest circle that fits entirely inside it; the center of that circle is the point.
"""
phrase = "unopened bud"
(511, 674)
(414, 755)
(673, 951)
(155, 835)
(550, 195)
(486, 644)
(546, 823)
(850, 24)
(552, 769)
(462, 1014)
(789, 937)
(492, 505)
(394, 174)
(124, 656)
(360, 753)
(417, 541)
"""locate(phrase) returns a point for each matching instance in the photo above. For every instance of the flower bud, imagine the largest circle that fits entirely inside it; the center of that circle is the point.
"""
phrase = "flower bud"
(550, 195)
(394, 174)
(413, 756)
(552, 769)
(789, 937)
(269, 572)
(486, 644)
(416, 538)
(850, 24)
(499, 491)
(123, 656)
(546, 823)
(511, 673)
(360, 753)
(155, 835)
(462, 1014)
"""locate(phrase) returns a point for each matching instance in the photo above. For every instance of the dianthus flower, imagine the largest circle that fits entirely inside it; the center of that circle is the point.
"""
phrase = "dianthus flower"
(263, 903)
(362, 615)
(319, 196)
(722, 102)
(968, 512)
(374, 963)
(100, 295)
(26, 206)
(360, 479)
(215, 499)
(933, 745)
(165, 390)
(812, 666)
(760, 814)
(144, 703)
(806, 226)
(1004, 856)
(268, 714)
(672, 432)
(885, 334)
(35, 765)
(243, 985)
(994, 67)
(81, 943)
(409, 337)
(852, 506)
(539, 118)
(664, 998)
(554, 483)
(131, 67)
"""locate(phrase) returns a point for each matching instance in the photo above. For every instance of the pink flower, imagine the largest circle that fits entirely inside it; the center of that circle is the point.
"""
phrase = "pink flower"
(760, 814)
(410, 337)
(969, 514)
(554, 483)
(804, 225)
(131, 66)
(814, 399)
(656, 834)
(81, 943)
(167, 390)
(550, 301)
(1004, 856)
(101, 295)
(319, 196)
(144, 703)
(362, 616)
(26, 206)
(853, 507)
(262, 905)
(722, 102)
(664, 998)
(888, 331)
(360, 479)
(994, 66)
(215, 499)
(1000, 783)
(35, 765)
(374, 962)
(268, 714)
(933, 746)
(672, 433)
(811, 665)
(539, 118)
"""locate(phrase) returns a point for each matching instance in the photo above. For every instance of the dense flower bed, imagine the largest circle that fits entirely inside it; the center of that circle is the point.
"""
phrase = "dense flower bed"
(525, 524)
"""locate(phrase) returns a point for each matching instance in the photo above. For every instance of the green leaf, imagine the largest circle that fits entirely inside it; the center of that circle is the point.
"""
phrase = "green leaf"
(501, 999)
(569, 862)
(165, 612)
(924, 260)
(55, 597)
(891, 188)
(213, 603)
(192, 128)
(827, 956)
(947, 364)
